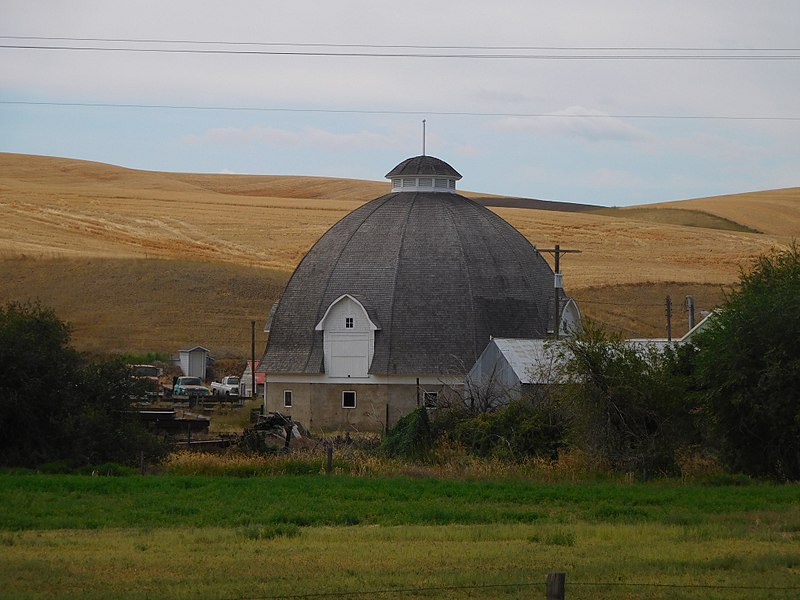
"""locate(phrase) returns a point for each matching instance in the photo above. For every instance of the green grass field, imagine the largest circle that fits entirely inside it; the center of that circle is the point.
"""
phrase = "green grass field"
(67, 536)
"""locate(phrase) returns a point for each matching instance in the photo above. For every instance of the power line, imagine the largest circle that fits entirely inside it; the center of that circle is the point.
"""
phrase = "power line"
(400, 46)
(397, 112)
(620, 303)
(364, 54)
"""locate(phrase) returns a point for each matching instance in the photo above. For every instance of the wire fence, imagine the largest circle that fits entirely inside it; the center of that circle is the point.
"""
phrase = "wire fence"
(539, 589)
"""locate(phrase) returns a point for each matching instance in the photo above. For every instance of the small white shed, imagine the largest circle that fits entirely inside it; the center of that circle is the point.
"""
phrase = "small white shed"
(246, 381)
(508, 365)
(193, 361)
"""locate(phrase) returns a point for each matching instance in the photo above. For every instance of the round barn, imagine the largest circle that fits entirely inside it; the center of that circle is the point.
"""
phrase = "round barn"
(393, 305)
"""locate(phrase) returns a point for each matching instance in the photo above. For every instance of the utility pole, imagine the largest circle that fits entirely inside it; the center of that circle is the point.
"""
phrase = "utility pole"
(668, 312)
(690, 310)
(557, 282)
(253, 356)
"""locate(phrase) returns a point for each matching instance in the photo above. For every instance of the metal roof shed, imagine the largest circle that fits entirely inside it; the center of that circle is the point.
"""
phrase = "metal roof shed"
(508, 365)
(193, 361)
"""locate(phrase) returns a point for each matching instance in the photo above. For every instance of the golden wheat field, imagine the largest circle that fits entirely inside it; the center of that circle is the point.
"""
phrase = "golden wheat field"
(147, 261)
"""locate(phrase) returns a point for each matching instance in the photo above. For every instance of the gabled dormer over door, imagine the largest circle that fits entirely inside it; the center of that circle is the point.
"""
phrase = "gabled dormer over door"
(348, 338)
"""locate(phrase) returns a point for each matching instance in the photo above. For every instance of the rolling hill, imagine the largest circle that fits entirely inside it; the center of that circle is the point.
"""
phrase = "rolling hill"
(149, 261)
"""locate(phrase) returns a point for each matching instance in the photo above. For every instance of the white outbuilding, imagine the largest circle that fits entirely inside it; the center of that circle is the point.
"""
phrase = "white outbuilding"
(194, 361)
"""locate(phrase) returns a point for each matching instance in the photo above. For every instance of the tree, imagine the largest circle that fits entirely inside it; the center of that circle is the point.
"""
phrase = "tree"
(55, 405)
(628, 405)
(36, 366)
(749, 368)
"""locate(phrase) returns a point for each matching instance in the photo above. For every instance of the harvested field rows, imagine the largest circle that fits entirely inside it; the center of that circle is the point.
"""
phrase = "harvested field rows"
(57, 209)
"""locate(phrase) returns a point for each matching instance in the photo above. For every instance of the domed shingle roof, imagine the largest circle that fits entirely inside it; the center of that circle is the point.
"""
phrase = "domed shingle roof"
(423, 165)
(440, 273)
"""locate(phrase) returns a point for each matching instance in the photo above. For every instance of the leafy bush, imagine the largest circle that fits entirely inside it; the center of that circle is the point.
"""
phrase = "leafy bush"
(749, 369)
(522, 429)
(630, 407)
(411, 438)
(146, 358)
(56, 406)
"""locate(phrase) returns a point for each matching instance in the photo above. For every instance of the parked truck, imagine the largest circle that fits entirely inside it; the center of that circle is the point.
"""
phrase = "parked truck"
(227, 388)
(191, 387)
(148, 378)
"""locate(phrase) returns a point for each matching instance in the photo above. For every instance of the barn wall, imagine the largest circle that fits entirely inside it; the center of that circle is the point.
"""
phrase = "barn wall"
(318, 406)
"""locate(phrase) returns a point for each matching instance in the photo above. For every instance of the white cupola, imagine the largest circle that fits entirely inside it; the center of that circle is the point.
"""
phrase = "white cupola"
(423, 174)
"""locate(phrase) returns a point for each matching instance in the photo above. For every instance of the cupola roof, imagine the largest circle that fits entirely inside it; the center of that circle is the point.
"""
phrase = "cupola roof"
(423, 174)
(424, 165)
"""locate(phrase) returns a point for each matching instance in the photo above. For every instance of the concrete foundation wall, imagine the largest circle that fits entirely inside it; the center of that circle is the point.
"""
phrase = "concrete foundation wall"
(318, 406)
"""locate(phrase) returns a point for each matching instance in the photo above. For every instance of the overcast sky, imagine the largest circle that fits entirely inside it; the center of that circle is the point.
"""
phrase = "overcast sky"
(542, 126)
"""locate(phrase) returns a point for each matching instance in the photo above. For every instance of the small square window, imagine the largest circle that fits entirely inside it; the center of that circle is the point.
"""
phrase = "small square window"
(348, 399)
(430, 399)
(287, 398)
(348, 322)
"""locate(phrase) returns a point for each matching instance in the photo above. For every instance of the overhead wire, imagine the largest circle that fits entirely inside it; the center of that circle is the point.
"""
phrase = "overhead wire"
(742, 53)
(365, 54)
(399, 112)
(408, 50)
(400, 46)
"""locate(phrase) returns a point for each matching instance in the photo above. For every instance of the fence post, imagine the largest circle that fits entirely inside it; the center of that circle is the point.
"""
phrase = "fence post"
(556, 584)
(328, 458)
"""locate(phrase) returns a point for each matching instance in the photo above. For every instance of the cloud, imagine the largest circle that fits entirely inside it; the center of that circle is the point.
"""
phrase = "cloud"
(498, 96)
(309, 136)
(721, 148)
(613, 179)
(577, 121)
(783, 176)
(467, 150)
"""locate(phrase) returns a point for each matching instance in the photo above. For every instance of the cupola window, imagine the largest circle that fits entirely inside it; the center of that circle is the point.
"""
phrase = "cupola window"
(425, 184)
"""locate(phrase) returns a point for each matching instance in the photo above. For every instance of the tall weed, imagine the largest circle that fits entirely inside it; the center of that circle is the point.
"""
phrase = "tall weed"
(448, 460)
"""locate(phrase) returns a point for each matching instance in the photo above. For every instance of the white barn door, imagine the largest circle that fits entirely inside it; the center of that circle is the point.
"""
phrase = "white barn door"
(349, 338)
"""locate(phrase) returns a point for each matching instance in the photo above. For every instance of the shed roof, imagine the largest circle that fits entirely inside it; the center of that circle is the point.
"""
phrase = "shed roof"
(520, 354)
(193, 348)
